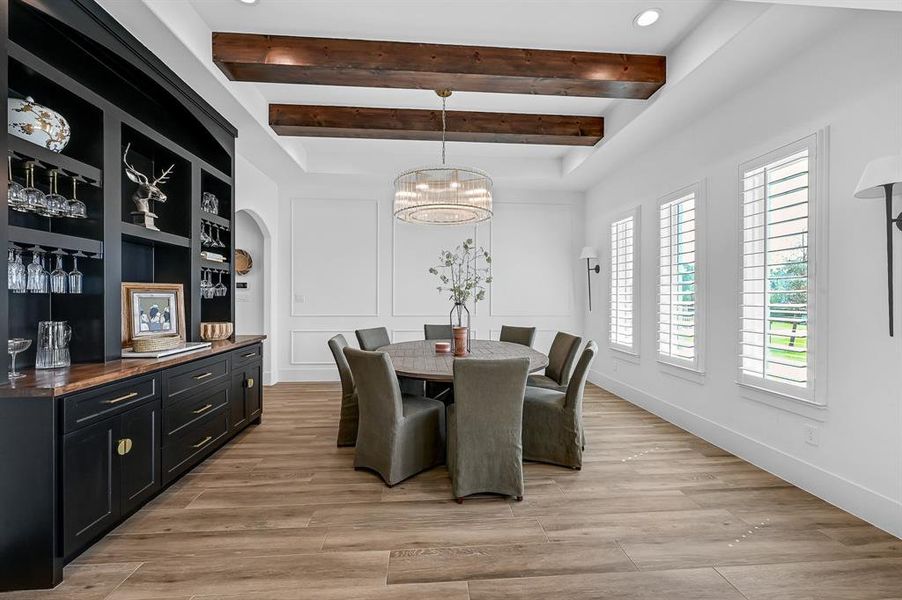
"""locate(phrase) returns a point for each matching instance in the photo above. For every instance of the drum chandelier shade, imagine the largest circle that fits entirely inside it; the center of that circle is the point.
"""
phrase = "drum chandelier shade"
(443, 195)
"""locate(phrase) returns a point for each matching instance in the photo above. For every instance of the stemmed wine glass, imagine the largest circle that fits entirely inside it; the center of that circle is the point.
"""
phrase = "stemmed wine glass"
(14, 346)
(59, 276)
(56, 204)
(217, 242)
(76, 208)
(220, 289)
(205, 238)
(35, 270)
(34, 198)
(14, 190)
(75, 276)
(16, 274)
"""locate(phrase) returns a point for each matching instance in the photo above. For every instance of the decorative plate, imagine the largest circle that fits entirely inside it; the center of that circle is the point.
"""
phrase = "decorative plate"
(37, 124)
(243, 262)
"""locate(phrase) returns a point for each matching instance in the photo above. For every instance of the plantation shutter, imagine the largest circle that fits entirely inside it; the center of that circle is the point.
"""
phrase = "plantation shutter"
(776, 281)
(622, 335)
(677, 281)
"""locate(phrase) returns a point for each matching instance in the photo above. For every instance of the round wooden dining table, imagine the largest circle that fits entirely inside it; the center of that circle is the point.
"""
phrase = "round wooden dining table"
(419, 360)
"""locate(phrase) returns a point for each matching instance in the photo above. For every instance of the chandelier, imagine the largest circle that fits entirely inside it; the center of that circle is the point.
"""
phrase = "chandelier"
(443, 195)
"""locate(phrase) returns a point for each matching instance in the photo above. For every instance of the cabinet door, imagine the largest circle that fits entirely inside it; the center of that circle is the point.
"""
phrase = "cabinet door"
(90, 483)
(237, 414)
(140, 464)
(253, 391)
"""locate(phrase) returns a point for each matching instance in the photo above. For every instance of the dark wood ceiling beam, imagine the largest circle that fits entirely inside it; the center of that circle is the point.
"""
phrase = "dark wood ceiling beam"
(366, 63)
(411, 124)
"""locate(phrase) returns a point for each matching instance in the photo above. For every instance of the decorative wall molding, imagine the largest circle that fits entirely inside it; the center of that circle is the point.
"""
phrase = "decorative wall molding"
(295, 257)
(325, 334)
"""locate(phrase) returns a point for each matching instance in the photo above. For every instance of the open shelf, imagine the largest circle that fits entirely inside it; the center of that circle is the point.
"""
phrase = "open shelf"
(49, 239)
(212, 264)
(45, 159)
(215, 219)
(142, 235)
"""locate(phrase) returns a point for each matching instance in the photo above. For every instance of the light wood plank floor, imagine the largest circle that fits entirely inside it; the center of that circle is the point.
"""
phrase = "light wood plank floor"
(655, 513)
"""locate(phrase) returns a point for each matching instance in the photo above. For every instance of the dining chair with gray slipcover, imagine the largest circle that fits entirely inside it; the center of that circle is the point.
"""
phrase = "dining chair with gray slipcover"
(437, 332)
(563, 352)
(347, 422)
(485, 427)
(374, 338)
(518, 335)
(399, 434)
(553, 420)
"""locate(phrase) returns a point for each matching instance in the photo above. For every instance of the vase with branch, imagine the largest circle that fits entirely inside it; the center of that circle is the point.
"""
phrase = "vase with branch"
(463, 274)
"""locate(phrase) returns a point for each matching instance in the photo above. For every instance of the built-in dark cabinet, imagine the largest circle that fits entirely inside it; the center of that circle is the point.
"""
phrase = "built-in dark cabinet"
(91, 475)
(246, 401)
(109, 469)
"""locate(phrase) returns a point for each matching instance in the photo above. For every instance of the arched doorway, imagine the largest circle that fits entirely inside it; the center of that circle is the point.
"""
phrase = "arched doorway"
(253, 294)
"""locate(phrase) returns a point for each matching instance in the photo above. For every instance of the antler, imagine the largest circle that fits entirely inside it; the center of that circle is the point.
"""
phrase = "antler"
(163, 175)
(132, 169)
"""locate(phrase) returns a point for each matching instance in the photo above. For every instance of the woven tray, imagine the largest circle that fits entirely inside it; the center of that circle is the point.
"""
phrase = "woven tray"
(155, 344)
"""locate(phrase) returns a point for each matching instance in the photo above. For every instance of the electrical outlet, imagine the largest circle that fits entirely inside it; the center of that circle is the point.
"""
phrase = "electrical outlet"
(812, 435)
(300, 298)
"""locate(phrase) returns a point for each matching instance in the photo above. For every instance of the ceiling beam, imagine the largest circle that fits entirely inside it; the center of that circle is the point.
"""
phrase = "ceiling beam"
(412, 124)
(365, 63)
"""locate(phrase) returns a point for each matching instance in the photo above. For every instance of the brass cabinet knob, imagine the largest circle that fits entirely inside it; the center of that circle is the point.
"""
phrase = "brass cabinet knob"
(124, 446)
(249, 382)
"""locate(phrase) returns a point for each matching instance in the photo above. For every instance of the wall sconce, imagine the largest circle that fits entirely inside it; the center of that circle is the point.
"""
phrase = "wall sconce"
(877, 181)
(588, 254)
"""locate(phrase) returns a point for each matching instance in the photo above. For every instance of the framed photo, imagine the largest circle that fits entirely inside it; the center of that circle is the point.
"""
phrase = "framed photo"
(152, 310)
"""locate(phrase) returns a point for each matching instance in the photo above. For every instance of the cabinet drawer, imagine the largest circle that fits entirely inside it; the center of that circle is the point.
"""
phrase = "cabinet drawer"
(246, 355)
(179, 415)
(193, 376)
(89, 407)
(193, 443)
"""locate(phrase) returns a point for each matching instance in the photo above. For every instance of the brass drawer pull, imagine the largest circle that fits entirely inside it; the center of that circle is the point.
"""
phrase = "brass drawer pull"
(249, 382)
(203, 442)
(248, 355)
(121, 398)
(203, 375)
(124, 446)
(203, 409)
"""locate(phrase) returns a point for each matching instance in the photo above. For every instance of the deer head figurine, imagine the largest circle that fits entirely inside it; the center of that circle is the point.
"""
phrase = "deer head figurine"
(147, 191)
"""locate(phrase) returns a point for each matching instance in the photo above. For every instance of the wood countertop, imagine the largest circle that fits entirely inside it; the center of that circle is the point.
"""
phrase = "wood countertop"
(81, 376)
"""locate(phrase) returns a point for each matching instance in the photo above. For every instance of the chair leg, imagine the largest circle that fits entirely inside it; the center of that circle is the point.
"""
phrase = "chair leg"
(459, 500)
(519, 498)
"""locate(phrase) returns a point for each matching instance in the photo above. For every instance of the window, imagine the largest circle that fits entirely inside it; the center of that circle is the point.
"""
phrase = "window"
(624, 278)
(778, 255)
(679, 294)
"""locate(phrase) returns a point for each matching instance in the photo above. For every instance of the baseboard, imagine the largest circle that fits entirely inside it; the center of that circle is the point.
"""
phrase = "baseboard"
(268, 378)
(310, 373)
(875, 508)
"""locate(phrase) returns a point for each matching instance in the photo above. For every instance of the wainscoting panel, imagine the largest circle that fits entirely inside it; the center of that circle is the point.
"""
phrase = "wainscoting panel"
(334, 258)
(416, 248)
(310, 346)
(532, 254)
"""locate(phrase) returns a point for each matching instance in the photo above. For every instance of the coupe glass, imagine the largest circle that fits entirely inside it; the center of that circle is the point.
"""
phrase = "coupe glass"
(35, 270)
(76, 208)
(59, 276)
(57, 204)
(14, 346)
(75, 276)
(14, 190)
(34, 198)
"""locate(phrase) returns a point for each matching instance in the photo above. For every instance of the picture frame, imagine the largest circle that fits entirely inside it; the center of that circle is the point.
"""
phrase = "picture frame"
(152, 310)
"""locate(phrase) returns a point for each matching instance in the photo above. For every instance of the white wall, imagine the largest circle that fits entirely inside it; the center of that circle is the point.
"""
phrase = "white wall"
(852, 85)
(249, 301)
(257, 198)
(353, 266)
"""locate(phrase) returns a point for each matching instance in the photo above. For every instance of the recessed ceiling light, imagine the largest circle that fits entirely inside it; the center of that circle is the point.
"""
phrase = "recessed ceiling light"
(644, 18)
(248, 1)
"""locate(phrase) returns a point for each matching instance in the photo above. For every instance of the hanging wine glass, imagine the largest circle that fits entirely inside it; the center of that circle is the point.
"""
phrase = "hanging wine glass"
(45, 276)
(57, 204)
(220, 290)
(34, 198)
(76, 208)
(76, 277)
(218, 243)
(59, 276)
(14, 190)
(35, 270)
